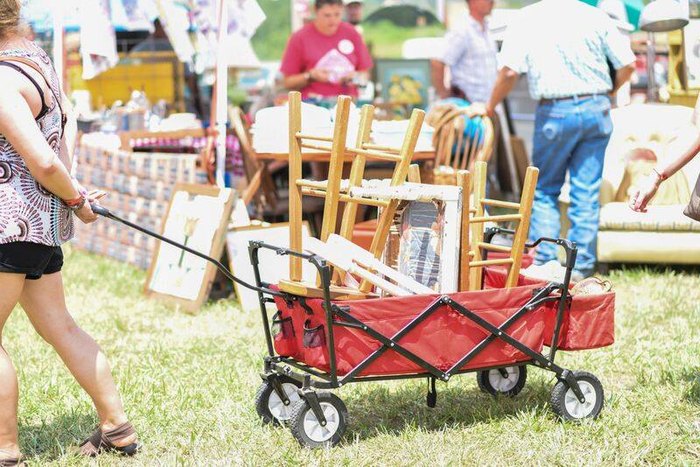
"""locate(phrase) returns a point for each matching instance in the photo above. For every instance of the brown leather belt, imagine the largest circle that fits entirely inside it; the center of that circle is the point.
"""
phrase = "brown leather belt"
(548, 100)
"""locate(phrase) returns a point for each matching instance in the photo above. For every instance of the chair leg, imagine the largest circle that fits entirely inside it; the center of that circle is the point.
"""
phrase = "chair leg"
(521, 232)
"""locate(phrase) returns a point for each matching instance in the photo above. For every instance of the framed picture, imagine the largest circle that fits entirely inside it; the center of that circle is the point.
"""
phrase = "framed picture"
(273, 267)
(197, 217)
(424, 239)
(403, 82)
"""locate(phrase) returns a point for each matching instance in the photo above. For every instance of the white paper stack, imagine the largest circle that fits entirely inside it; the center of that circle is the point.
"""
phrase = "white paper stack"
(270, 131)
(391, 133)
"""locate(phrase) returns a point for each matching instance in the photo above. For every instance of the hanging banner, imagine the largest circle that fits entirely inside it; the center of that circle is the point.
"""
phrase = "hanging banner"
(134, 15)
(175, 18)
(98, 41)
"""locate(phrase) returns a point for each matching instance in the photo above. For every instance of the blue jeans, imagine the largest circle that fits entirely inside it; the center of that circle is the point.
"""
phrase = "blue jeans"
(570, 135)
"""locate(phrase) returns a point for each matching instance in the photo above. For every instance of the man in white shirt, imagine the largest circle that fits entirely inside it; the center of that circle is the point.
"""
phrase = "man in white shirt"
(470, 54)
(564, 47)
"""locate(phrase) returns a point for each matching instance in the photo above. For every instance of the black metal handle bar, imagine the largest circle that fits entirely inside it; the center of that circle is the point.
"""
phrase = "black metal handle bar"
(104, 212)
(569, 247)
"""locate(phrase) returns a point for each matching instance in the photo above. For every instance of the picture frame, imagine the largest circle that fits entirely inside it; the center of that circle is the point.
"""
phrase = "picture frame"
(198, 217)
(427, 250)
(273, 267)
(403, 81)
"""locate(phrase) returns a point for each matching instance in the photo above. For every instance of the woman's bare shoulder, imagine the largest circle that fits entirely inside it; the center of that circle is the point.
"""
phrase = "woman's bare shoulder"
(14, 82)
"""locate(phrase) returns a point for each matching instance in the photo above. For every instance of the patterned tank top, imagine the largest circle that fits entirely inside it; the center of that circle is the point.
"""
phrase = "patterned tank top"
(28, 211)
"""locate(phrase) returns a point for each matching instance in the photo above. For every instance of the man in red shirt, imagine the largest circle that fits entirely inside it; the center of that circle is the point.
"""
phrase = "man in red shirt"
(326, 57)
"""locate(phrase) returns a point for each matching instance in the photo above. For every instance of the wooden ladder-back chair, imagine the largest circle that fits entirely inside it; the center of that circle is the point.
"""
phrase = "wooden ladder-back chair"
(298, 187)
(332, 190)
(477, 219)
(456, 150)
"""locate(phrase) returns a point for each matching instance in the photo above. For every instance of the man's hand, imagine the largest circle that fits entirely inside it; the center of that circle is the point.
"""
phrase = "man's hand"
(477, 108)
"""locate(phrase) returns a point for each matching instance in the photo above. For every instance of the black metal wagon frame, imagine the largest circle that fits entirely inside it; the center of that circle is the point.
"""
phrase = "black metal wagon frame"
(279, 369)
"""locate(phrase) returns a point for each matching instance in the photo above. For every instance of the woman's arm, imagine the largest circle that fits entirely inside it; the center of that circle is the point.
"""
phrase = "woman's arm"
(646, 192)
(18, 126)
(301, 80)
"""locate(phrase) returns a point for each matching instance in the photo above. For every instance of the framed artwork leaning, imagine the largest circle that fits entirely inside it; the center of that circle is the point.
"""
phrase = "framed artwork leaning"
(403, 81)
(197, 217)
(273, 267)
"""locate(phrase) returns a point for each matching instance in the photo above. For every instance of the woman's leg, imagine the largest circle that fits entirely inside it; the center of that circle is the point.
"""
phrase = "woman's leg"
(10, 290)
(44, 302)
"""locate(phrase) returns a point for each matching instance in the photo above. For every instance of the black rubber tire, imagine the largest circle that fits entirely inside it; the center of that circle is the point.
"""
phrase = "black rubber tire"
(558, 399)
(262, 398)
(482, 379)
(301, 408)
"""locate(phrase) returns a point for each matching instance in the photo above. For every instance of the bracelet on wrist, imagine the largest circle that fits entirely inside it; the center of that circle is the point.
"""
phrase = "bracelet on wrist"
(659, 175)
(75, 203)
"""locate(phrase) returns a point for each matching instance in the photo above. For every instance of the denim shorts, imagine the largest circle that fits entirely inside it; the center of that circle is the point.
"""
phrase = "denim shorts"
(30, 259)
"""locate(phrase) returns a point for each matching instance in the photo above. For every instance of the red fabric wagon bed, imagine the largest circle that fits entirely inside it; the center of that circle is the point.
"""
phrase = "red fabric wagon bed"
(445, 336)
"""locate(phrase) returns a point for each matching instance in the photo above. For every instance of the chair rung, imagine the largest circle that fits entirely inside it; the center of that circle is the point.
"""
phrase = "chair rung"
(375, 154)
(379, 203)
(312, 184)
(492, 247)
(315, 138)
(345, 198)
(377, 147)
(318, 147)
(500, 204)
(503, 218)
(490, 262)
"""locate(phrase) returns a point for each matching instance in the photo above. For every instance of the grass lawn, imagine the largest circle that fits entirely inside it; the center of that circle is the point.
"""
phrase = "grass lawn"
(189, 383)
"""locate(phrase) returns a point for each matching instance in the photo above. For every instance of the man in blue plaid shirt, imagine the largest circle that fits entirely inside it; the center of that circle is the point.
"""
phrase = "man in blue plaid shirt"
(565, 46)
(470, 54)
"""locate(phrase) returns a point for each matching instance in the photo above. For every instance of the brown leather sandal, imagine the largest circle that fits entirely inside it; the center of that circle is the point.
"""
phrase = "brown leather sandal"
(101, 441)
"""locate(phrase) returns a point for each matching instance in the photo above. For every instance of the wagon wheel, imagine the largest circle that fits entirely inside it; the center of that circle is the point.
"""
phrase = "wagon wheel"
(567, 406)
(503, 381)
(307, 429)
(269, 404)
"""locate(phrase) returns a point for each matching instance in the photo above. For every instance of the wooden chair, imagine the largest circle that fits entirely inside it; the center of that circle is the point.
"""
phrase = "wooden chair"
(263, 186)
(259, 185)
(471, 257)
(331, 189)
(456, 151)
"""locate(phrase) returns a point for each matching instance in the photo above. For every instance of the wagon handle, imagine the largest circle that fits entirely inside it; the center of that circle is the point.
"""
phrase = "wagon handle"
(104, 212)
(569, 247)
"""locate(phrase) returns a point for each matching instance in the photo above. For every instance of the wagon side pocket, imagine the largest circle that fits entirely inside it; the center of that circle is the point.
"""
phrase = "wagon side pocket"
(283, 332)
(315, 348)
(313, 336)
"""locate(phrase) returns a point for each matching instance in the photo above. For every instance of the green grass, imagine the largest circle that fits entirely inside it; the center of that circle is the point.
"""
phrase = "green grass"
(188, 383)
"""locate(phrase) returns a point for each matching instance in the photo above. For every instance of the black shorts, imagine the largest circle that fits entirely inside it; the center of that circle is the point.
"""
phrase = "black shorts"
(31, 259)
